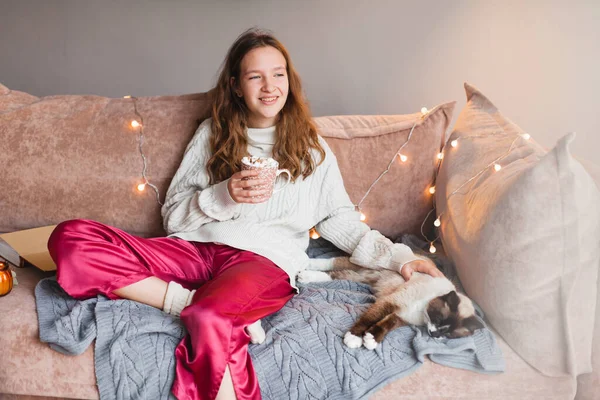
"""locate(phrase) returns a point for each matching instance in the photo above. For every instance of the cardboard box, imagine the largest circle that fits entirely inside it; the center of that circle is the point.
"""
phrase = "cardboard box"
(32, 246)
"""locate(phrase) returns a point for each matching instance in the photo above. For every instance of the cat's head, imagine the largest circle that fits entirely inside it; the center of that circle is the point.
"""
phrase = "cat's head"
(451, 315)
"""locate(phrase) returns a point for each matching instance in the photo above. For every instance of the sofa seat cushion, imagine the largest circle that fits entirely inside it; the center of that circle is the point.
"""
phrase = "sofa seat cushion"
(520, 381)
(30, 367)
(43, 371)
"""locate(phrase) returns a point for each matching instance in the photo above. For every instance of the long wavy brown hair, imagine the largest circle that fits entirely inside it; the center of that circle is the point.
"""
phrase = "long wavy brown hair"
(296, 133)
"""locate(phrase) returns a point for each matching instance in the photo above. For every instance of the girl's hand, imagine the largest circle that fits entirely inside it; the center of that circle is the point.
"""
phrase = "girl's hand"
(425, 266)
(241, 191)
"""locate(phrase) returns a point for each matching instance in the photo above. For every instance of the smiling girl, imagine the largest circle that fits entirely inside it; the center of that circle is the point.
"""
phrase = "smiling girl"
(232, 253)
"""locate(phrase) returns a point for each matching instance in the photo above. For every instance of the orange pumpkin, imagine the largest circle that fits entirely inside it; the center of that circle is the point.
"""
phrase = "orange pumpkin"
(6, 279)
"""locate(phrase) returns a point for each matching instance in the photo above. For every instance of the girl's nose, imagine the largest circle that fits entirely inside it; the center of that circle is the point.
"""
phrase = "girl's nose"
(268, 85)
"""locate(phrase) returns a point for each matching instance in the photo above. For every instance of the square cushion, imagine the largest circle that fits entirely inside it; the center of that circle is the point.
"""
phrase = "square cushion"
(525, 239)
(364, 146)
(70, 157)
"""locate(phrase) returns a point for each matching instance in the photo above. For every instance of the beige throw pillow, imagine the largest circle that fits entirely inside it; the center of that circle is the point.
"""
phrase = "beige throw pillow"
(525, 238)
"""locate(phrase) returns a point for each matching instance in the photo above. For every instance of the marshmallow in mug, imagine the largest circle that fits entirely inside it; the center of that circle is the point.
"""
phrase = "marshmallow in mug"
(260, 162)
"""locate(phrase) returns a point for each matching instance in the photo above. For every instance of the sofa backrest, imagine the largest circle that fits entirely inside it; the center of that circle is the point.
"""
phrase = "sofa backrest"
(67, 157)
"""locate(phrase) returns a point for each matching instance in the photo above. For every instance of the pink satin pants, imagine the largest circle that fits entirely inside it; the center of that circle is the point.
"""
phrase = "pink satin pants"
(235, 288)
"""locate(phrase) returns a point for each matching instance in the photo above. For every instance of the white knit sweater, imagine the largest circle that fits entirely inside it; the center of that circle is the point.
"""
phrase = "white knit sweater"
(277, 229)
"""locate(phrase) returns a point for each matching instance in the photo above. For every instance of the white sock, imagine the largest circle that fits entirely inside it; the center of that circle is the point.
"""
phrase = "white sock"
(177, 298)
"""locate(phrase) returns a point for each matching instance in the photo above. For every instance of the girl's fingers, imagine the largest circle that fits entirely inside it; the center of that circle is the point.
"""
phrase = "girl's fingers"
(247, 173)
(242, 187)
(249, 196)
(247, 193)
(250, 183)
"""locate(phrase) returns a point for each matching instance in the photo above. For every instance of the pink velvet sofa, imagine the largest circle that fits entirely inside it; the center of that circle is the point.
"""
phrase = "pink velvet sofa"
(79, 157)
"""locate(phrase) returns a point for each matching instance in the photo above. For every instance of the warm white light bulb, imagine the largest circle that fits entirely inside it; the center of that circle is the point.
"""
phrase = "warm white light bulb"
(432, 248)
(432, 190)
(134, 124)
(526, 136)
(424, 110)
(497, 167)
(363, 217)
(437, 222)
(315, 235)
(440, 156)
(403, 158)
(127, 97)
(454, 143)
(141, 187)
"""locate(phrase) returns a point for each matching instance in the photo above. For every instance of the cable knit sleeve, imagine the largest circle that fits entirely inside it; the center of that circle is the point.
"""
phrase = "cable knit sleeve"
(191, 202)
(343, 227)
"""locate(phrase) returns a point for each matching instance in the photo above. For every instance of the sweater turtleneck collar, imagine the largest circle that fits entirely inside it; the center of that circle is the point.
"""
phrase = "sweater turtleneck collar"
(261, 141)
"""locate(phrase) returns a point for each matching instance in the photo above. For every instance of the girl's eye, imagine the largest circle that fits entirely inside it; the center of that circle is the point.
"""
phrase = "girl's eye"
(279, 75)
(254, 77)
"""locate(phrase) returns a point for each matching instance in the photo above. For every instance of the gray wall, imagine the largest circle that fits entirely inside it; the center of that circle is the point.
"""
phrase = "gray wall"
(537, 60)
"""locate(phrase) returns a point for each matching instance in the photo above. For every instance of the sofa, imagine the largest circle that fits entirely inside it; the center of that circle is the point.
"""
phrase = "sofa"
(71, 157)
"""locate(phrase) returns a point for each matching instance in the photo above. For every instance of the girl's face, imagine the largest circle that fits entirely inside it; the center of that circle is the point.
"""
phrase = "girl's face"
(264, 85)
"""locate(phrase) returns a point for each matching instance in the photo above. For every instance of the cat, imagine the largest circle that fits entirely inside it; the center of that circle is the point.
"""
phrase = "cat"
(423, 300)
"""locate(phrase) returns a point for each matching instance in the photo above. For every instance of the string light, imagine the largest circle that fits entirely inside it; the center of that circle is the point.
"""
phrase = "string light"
(432, 248)
(314, 234)
(493, 163)
(497, 167)
(403, 158)
(398, 153)
(423, 226)
(139, 123)
(440, 156)
(127, 97)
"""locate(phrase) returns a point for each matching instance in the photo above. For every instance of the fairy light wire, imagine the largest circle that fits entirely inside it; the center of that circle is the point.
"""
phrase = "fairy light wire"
(493, 163)
(497, 167)
(141, 150)
(396, 154)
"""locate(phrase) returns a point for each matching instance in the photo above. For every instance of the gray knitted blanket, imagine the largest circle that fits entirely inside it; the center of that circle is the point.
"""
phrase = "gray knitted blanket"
(303, 356)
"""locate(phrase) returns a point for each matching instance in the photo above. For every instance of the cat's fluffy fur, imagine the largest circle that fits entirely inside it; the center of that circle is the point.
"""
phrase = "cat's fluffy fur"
(423, 300)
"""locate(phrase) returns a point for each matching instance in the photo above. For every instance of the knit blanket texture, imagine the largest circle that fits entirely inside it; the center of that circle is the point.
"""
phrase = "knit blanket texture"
(303, 356)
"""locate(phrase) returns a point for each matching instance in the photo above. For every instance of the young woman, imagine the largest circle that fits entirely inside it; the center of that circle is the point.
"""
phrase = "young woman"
(231, 257)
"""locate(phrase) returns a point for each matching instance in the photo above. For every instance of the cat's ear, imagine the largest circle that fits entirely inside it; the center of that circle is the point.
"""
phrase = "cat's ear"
(472, 323)
(466, 328)
(452, 300)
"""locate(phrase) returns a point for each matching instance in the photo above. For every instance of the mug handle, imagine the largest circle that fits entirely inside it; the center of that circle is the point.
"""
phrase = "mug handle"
(289, 178)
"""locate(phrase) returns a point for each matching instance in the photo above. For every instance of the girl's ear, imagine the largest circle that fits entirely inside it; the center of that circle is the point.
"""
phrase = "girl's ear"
(235, 87)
